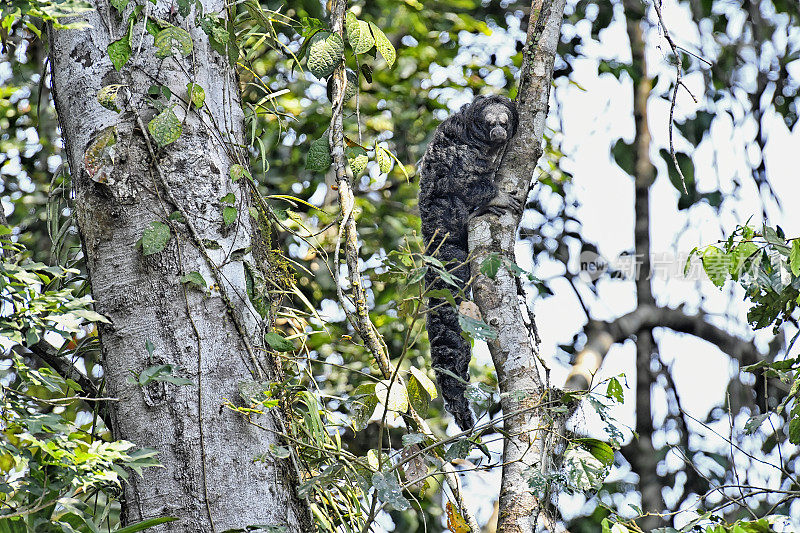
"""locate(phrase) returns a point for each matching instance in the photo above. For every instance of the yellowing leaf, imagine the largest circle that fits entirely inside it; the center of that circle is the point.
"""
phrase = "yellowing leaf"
(455, 522)
(358, 34)
(385, 161)
(424, 382)
(107, 96)
(98, 160)
(395, 398)
(196, 94)
(357, 159)
(384, 46)
(171, 41)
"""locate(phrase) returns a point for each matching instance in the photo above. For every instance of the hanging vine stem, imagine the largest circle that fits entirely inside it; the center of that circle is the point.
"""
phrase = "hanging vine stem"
(678, 84)
(361, 321)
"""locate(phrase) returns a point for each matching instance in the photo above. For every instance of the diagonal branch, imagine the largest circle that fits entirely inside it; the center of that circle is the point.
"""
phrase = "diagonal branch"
(602, 335)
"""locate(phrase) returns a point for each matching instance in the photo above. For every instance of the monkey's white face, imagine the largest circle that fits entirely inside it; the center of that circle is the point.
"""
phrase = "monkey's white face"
(499, 123)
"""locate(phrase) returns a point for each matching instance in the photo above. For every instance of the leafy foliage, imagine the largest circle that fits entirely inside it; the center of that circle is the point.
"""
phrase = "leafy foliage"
(56, 456)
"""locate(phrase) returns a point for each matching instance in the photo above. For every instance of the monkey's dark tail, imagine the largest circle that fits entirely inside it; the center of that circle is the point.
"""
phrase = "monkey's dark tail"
(449, 351)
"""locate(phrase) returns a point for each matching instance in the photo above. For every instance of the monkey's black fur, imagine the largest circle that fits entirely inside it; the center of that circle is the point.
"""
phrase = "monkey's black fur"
(457, 182)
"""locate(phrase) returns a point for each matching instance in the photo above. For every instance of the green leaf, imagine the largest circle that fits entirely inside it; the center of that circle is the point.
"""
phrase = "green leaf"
(794, 257)
(183, 7)
(397, 395)
(319, 155)
(364, 403)
(614, 390)
(146, 524)
(794, 430)
(358, 34)
(741, 256)
(409, 439)
(120, 51)
(155, 238)
(458, 450)
(357, 159)
(196, 94)
(238, 172)
(164, 373)
(424, 381)
(389, 491)
(120, 5)
(325, 52)
(152, 27)
(278, 342)
(351, 86)
(754, 423)
(417, 397)
(491, 265)
(385, 161)
(601, 450)
(194, 279)
(584, 471)
(624, 156)
(687, 167)
(107, 97)
(279, 452)
(229, 214)
(383, 45)
(229, 198)
(476, 328)
(165, 127)
(173, 40)
(771, 236)
(715, 263)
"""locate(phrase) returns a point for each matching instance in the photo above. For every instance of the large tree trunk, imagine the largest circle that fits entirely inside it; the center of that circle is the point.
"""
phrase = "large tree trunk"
(217, 471)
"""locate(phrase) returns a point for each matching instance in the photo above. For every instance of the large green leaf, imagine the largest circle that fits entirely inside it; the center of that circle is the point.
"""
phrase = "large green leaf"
(325, 52)
(715, 263)
(155, 238)
(173, 41)
(278, 342)
(120, 51)
(319, 155)
(165, 127)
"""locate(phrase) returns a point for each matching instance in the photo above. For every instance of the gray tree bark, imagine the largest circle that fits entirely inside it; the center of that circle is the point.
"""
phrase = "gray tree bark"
(530, 444)
(217, 471)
